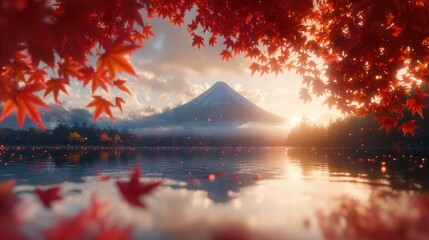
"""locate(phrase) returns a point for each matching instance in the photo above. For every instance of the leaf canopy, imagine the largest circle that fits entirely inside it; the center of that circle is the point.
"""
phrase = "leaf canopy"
(362, 56)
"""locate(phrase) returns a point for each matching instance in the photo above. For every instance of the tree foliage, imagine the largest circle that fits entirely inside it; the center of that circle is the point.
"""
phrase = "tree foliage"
(358, 132)
(363, 56)
(76, 137)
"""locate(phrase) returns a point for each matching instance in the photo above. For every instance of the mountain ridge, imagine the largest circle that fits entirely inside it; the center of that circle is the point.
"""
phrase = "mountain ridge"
(220, 103)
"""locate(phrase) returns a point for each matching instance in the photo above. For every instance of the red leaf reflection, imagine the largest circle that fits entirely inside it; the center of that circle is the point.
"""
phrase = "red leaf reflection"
(49, 195)
(133, 189)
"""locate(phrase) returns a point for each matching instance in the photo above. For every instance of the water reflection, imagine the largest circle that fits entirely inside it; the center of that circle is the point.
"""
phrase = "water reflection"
(270, 193)
(404, 171)
(220, 172)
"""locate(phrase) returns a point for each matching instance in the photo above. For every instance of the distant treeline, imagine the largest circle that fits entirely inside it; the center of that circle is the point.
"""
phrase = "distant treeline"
(354, 132)
(92, 135)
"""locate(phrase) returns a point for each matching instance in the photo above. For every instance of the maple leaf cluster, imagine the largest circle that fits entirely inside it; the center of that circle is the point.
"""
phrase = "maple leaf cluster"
(47, 44)
(362, 56)
(375, 58)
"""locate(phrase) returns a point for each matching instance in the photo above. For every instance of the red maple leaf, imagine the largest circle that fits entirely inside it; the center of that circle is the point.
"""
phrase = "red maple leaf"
(408, 127)
(147, 32)
(55, 86)
(198, 41)
(49, 195)
(133, 189)
(121, 85)
(417, 103)
(119, 102)
(226, 55)
(387, 123)
(97, 78)
(213, 41)
(37, 76)
(69, 68)
(113, 59)
(25, 102)
(129, 10)
(101, 106)
(254, 68)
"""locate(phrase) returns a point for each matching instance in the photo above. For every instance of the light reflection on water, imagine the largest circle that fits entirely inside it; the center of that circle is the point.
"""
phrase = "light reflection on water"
(232, 168)
(275, 190)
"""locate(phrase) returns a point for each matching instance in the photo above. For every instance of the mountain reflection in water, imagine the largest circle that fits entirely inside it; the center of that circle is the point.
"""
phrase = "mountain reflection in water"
(216, 193)
(219, 171)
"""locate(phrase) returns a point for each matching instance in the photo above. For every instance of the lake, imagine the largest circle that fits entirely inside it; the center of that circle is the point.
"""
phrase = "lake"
(230, 193)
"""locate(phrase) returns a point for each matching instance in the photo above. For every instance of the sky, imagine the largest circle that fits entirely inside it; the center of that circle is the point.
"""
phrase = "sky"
(171, 72)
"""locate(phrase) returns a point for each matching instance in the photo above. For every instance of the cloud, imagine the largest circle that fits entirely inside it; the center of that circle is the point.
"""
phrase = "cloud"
(142, 112)
(167, 63)
(171, 50)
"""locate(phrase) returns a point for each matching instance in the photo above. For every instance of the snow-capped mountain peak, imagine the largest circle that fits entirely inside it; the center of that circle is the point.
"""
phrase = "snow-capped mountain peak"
(220, 94)
(220, 103)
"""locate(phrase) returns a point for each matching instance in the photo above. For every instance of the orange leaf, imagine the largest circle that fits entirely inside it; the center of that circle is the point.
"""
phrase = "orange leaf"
(275, 66)
(25, 102)
(37, 76)
(119, 102)
(121, 85)
(101, 106)
(69, 68)
(147, 32)
(55, 86)
(264, 70)
(8, 108)
(226, 55)
(113, 60)
(254, 68)
(97, 78)
(408, 127)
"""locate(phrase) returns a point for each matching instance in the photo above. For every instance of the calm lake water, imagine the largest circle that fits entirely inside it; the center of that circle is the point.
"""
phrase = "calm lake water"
(279, 193)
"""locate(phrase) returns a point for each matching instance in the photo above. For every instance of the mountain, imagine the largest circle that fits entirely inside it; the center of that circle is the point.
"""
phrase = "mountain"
(220, 103)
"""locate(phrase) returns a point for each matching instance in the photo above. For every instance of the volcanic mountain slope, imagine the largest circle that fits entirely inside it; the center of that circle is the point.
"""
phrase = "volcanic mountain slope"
(220, 103)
